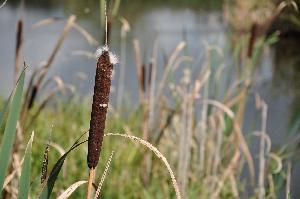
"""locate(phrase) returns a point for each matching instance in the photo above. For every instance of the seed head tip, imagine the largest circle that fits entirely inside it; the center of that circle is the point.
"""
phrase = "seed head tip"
(113, 58)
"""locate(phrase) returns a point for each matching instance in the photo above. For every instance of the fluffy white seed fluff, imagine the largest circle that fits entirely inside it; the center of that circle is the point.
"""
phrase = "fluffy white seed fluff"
(113, 58)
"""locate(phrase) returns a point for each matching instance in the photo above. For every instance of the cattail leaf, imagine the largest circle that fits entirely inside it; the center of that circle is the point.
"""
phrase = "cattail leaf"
(66, 194)
(48, 185)
(10, 128)
(4, 111)
(24, 184)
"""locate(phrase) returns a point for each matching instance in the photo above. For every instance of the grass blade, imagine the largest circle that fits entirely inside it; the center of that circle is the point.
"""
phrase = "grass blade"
(67, 193)
(10, 128)
(24, 183)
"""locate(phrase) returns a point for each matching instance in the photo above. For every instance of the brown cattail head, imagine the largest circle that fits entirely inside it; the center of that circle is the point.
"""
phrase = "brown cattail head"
(19, 42)
(143, 78)
(33, 94)
(19, 36)
(99, 107)
(150, 73)
(252, 39)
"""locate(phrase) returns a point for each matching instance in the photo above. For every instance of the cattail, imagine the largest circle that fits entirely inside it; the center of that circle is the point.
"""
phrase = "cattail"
(19, 36)
(19, 42)
(143, 78)
(252, 40)
(150, 74)
(100, 105)
(32, 96)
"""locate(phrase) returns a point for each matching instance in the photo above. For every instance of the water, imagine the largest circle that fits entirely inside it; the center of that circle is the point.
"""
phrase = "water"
(277, 78)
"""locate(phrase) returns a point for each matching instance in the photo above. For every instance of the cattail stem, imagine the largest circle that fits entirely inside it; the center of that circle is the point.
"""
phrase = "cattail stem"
(90, 183)
(139, 71)
(107, 35)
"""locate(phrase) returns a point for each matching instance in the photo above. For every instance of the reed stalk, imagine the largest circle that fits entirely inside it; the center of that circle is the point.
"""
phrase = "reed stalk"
(186, 132)
(262, 161)
(152, 85)
(288, 181)
(141, 73)
(3, 4)
(139, 70)
(203, 125)
(107, 35)
(125, 28)
(168, 67)
(90, 183)
(226, 174)
(36, 86)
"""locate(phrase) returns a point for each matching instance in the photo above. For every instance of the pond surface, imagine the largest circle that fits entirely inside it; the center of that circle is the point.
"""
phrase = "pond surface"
(277, 76)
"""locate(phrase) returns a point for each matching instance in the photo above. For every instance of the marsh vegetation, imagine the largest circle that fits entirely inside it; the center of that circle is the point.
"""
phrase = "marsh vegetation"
(194, 108)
